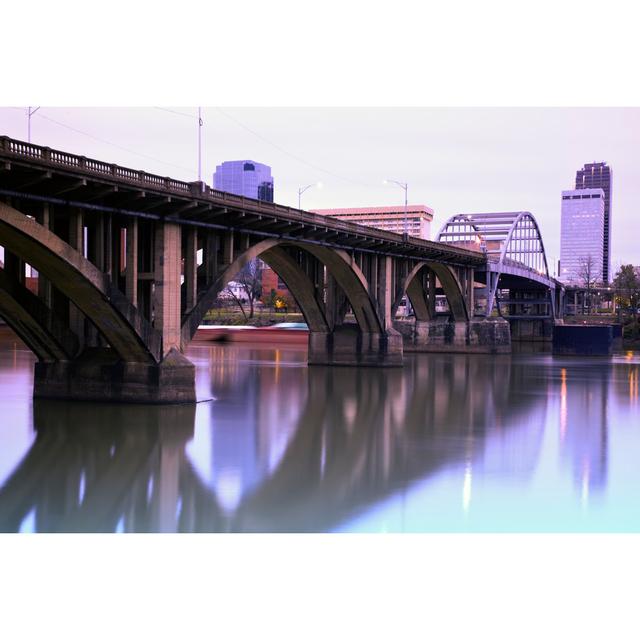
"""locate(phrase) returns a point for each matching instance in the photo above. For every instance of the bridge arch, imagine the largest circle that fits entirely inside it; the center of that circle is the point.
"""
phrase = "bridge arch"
(414, 289)
(524, 244)
(505, 237)
(461, 229)
(36, 325)
(512, 242)
(338, 263)
(122, 326)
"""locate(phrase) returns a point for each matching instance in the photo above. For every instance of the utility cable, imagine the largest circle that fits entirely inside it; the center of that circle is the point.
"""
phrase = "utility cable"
(113, 144)
(295, 157)
(178, 113)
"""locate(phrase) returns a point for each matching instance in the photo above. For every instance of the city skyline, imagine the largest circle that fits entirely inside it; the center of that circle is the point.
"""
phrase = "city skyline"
(457, 159)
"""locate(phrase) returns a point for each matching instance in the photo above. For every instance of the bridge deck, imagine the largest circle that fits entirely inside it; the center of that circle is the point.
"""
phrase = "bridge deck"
(39, 173)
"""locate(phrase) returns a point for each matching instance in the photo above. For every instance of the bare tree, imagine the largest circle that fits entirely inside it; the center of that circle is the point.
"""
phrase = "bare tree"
(589, 272)
(250, 278)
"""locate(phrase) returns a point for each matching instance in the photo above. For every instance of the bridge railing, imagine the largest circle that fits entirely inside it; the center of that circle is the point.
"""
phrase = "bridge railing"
(12, 147)
(517, 264)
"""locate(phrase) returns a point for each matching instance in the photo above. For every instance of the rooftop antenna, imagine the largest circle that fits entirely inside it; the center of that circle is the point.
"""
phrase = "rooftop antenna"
(30, 112)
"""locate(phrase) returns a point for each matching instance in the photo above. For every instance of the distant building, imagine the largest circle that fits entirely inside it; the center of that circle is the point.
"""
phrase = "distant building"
(234, 291)
(418, 218)
(581, 234)
(273, 285)
(245, 178)
(598, 175)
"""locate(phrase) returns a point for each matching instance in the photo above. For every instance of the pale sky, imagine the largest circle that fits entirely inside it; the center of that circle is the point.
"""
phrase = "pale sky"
(455, 160)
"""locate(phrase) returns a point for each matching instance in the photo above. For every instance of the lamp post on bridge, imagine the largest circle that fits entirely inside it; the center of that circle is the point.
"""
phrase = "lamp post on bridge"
(301, 190)
(405, 234)
(405, 187)
(200, 123)
(29, 114)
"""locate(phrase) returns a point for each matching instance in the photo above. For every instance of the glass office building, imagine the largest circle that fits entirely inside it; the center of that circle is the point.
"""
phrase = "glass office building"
(598, 175)
(582, 235)
(245, 178)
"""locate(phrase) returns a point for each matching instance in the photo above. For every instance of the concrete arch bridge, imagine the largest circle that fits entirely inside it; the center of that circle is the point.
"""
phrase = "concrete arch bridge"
(109, 271)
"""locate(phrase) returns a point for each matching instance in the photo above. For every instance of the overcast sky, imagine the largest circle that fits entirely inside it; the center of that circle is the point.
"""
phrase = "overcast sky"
(454, 159)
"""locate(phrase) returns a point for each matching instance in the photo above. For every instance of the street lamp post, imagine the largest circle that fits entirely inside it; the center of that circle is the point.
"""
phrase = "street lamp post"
(30, 112)
(301, 190)
(405, 235)
(405, 187)
(200, 123)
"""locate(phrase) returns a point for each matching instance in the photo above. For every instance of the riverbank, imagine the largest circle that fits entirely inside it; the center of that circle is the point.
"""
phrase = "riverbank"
(261, 317)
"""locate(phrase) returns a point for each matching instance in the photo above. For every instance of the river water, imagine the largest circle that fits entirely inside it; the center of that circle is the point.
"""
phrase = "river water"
(448, 443)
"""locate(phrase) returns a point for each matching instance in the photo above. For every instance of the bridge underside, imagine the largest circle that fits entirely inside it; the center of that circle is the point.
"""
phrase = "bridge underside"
(109, 272)
(109, 306)
(529, 306)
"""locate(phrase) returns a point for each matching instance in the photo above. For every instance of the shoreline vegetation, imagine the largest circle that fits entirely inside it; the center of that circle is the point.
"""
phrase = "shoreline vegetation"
(261, 318)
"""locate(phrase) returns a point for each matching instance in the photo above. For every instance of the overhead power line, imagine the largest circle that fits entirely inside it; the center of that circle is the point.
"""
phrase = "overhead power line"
(178, 113)
(291, 155)
(112, 144)
(315, 167)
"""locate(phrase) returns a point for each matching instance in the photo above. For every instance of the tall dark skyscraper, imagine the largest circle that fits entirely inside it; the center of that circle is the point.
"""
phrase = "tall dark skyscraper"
(598, 176)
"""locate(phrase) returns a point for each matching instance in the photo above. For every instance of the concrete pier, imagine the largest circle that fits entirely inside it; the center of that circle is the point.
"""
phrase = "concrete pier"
(97, 375)
(347, 346)
(474, 336)
(531, 330)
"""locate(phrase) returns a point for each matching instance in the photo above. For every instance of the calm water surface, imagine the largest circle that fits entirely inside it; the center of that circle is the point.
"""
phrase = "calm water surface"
(448, 443)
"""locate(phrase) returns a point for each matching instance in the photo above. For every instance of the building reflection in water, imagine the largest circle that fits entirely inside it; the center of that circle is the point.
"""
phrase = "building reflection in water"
(258, 402)
(584, 421)
(282, 447)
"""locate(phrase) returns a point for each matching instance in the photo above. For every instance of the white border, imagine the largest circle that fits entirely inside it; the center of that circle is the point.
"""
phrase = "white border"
(332, 53)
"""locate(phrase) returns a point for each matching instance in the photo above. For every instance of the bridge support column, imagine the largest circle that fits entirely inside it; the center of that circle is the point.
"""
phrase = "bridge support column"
(131, 268)
(346, 345)
(473, 336)
(44, 286)
(76, 240)
(174, 369)
(14, 266)
(167, 311)
(191, 268)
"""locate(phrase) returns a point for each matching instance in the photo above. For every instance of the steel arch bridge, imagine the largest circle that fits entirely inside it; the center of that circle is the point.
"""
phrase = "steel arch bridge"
(516, 261)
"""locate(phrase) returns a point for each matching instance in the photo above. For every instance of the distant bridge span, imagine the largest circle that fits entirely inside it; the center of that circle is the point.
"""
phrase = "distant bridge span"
(516, 262)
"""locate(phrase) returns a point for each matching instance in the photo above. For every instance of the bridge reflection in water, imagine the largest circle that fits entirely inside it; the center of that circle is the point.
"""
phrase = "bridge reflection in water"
(281, 448)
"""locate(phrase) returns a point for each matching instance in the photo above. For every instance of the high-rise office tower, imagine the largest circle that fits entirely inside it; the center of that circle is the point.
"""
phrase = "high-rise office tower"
(599, 176)
(582, 236)
(245, 178)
